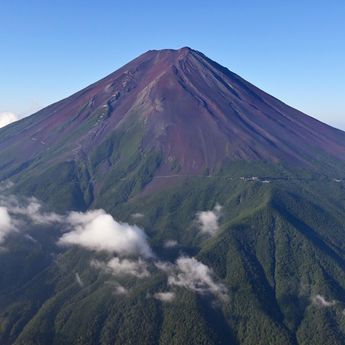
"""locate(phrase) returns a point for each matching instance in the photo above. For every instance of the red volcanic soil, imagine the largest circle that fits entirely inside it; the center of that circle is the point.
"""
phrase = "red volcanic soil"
(193, 110)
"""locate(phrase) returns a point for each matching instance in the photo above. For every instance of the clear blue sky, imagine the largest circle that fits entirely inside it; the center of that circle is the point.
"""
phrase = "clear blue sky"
(294, 50)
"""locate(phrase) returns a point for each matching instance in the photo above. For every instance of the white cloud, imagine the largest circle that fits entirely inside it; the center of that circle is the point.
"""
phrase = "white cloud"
(6, 118)
(30, 208)
(33, 211)
(164, 296)
(165, 266)
(79, 280)
(120, 290)
(322, 302)
(94, 230)
(193, 275)
(170, 244)
(120, 267)
(5, 185)
(208, 220)
(99, 231)
(135, 268)
(6, 224)
(18, 213)
(137, 215)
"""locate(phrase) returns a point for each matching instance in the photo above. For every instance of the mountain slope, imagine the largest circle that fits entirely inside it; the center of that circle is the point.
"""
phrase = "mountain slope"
(275, 251)
(241, 198)
(180, 111)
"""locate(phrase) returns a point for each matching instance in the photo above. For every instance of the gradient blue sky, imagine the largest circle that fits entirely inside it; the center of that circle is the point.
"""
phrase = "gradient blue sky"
(295, 50)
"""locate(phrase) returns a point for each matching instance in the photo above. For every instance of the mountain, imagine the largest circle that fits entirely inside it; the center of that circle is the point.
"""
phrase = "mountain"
(223, 217)
(165, 113)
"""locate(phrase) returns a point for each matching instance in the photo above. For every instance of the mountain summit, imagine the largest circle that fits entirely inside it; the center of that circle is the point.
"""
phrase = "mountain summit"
(194, 112)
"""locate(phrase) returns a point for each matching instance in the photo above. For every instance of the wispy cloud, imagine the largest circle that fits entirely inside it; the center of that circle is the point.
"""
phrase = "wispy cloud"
(19, 214)
(137, 215)
(29, 208)
(4, 185)
(120, 267)
(33, 211)
(208, 221)
(120, 290)
(165, 297)
(170, 244)
(79, 280)
(321, 301)
(192, 275)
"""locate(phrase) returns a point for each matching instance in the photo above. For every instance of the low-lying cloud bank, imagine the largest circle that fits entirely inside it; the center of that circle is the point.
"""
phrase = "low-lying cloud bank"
(187, 272)
(98, 231)
(93, 230)
(208, 221)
